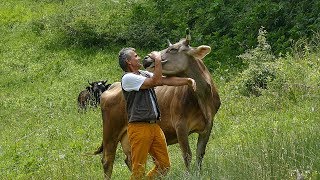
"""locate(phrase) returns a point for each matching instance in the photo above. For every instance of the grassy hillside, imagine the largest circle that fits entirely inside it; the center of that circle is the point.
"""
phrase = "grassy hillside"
(42, 135)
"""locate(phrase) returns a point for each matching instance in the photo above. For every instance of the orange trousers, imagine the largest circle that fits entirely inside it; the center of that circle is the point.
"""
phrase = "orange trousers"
(144, 139)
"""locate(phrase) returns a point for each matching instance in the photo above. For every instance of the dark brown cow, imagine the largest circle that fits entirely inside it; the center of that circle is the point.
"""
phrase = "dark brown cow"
(91, 95)
(182, 111)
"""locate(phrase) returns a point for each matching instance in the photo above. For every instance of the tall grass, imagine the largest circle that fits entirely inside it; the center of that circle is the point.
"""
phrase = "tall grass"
(274, 135)
(42, 135)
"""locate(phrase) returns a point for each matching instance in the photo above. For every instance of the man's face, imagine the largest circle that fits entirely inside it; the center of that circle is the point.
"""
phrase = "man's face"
(134, 61)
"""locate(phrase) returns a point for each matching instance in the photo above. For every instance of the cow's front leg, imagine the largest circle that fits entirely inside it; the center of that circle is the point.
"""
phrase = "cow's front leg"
(202, 143)
(182, 135)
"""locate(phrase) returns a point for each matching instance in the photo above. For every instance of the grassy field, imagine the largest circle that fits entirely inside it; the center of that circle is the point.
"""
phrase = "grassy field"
(42, 135)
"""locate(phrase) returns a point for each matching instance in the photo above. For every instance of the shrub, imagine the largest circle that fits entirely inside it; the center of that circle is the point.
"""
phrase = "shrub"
(260, 69)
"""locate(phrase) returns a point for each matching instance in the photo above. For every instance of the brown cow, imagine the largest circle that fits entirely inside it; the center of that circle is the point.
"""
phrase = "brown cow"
(182, 111)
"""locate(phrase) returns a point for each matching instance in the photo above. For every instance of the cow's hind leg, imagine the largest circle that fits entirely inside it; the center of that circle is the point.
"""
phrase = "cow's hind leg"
(126, 149)
(109, 152)
(201, 145)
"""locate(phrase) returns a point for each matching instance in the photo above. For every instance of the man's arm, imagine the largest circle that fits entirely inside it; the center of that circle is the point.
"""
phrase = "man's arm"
(156, 79)
(178, 81)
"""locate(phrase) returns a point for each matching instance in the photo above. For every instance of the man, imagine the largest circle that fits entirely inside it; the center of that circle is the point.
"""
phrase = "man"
(145, 135)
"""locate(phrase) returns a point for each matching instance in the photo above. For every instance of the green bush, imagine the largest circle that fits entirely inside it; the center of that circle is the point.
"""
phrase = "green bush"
(255, 79)
(260, 69)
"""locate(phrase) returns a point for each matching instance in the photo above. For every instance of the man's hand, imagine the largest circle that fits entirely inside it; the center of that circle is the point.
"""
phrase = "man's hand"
(192, 83)
(155, 55)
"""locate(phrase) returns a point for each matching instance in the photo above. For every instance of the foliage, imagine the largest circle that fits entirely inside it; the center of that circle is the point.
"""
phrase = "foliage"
(228, 27)
(143, 30)
(261, 67)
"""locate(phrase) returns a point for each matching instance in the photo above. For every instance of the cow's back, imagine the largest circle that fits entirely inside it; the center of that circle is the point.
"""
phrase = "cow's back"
(113, 111)
(112, 96)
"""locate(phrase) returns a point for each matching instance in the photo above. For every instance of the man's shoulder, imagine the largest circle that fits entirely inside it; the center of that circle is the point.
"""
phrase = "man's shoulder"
(146, 73)
(132, 82)
(128, 75)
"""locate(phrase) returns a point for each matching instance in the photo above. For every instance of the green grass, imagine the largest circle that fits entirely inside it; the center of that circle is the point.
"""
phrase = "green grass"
(42, 135)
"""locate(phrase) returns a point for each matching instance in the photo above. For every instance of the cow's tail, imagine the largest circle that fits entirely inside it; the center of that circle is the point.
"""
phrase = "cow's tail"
(99, 150)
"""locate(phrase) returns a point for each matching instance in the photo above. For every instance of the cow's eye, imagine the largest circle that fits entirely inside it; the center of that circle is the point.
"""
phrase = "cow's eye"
(173, 50)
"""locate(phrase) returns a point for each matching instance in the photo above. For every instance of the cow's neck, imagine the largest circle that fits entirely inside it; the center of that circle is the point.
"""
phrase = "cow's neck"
(204, 91)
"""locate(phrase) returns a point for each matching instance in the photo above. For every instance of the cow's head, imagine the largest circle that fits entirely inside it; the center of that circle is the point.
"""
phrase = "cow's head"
(97, 88)
(177, 57)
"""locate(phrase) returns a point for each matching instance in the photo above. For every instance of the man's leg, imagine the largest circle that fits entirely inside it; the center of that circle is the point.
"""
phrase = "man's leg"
(159, 153)
(140, 140)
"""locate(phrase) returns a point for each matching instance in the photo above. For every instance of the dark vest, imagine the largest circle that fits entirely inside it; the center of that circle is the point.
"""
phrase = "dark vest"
(139, 105)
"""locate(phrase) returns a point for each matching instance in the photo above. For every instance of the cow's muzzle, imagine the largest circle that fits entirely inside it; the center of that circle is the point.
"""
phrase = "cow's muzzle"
(148, 62)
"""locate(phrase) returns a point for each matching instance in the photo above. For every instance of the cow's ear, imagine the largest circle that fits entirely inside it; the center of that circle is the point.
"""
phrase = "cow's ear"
(200, 52)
